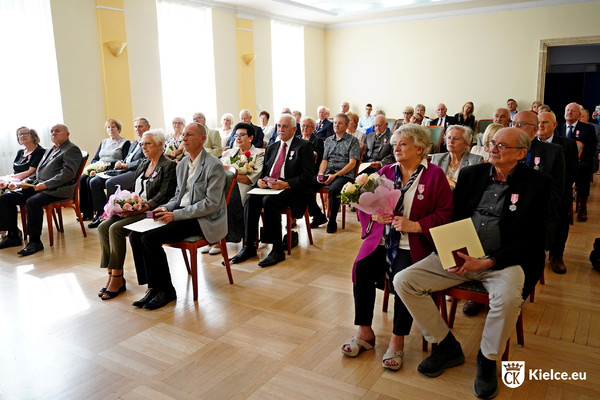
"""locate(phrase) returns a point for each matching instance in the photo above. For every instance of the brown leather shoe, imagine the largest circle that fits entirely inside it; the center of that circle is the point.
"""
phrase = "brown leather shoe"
(558, 266)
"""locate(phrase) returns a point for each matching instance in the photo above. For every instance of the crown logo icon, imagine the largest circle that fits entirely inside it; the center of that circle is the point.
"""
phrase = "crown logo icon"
(513, 367)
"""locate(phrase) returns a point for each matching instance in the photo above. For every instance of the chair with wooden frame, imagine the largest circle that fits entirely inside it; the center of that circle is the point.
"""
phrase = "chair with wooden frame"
(54, 210)
(474, 291)
(482, 125)
(288, 226)
(193, 243)
(324, 191)
(437, 136)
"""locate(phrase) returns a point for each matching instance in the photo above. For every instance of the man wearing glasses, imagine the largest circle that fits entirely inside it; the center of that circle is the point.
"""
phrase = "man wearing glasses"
(507, 202)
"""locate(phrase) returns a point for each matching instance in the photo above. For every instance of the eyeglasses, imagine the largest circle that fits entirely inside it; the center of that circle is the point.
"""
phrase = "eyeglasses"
(521, 124)
(22, 134)
(237, 135)
(500, 146)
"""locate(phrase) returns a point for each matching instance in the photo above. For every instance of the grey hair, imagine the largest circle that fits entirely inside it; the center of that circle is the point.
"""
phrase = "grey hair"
(344, 117)
(178, 119)
(309, 119)
(523, 140)
(467, 132)
(158, 136)
(200, 114)
(290, 117)
(420, 136)
(142, 119)
(229, 116)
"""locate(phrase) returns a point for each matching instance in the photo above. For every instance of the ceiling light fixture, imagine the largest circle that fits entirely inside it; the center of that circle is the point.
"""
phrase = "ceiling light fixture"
(306, 7)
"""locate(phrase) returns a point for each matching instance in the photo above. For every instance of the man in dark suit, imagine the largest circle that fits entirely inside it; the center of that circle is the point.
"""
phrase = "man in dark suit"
(288, 166)
(443, 119)
(547, 124)
(54, 180)
(379, 151)
(246, 116)
(324, 126)
(507, 202)
(584, 133)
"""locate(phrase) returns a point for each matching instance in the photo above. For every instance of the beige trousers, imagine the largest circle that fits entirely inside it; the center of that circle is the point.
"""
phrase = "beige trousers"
(415, 284)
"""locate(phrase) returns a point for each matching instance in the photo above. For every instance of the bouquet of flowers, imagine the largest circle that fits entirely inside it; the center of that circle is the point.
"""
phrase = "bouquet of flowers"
(95, 168)
(372, 194)
(242, 162)
(122, 200)
(7, 183)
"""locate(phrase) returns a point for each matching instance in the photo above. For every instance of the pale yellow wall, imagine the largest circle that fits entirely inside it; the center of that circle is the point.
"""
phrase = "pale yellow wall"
(264, 78)
(483, 58)
(226, 77)
(315, 65)
(78, 60)
(144, 61)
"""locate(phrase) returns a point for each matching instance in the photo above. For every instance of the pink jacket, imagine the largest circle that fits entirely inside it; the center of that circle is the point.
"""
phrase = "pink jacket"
(435, 209)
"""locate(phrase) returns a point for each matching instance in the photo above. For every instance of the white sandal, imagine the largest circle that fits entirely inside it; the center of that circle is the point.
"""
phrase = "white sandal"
(357, 346)
(395, 356)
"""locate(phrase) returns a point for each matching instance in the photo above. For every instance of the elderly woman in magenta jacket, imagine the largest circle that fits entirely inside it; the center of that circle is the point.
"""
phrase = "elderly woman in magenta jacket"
(393, 243)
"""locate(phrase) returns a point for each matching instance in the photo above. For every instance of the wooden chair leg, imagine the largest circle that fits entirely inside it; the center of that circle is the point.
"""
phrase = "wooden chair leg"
(223, 246)
(24, 220)
(323, 204)
(452, 315)
(520, 335)
(49, 214)
(194, 272)
(543, 279)
(532, 296)
(61, 227)
(343, 216)
(187, 262)
(78, 213)
(308, 229)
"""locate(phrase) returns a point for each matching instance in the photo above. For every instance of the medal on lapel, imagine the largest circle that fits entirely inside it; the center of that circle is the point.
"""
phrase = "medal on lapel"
(291, 154)
(421, 189)
(536, 161)
(513, 199)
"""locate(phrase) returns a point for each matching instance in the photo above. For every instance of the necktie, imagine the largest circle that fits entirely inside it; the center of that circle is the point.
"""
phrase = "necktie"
(570, 132)
(276, 174)
(320, 125)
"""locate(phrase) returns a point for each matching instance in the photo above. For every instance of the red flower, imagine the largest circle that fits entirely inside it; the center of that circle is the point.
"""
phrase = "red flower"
(248, 154)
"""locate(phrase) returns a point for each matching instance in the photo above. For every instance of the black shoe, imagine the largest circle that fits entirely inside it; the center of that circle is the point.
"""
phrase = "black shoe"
(332, 227)
(31, 248)
(274, 257)
(486, 382)
(94, 224)
(107, 295)
(150, 293)
(471, 308)
(558, 265)
(161, 299)
(85, 217)
(294, 240)
(318, 220)
(246, 253)
(10, 241)
(447, 354)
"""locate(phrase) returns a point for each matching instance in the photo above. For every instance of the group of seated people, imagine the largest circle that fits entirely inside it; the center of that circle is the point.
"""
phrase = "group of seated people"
(517, 196)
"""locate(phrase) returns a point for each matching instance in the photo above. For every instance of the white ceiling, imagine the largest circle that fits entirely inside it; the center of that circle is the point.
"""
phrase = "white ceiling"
(339, 13)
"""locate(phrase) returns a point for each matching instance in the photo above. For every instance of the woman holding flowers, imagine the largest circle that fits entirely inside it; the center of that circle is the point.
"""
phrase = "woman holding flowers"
(111, 150)
(248, 160)
(397, 237)
(155, 184)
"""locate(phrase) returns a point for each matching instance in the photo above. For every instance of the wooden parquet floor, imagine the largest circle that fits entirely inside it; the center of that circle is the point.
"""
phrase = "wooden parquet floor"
(275, 334)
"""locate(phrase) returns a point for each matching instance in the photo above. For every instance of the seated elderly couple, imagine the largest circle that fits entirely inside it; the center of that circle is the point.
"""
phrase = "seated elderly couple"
(504, 198)
(194, 204)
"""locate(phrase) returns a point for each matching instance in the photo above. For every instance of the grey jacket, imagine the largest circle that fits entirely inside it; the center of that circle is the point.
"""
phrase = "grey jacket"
(443, 159)
(207, 201)
(58, 171)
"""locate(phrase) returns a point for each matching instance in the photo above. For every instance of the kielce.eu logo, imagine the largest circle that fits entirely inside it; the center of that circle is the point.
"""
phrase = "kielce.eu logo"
(513, 373)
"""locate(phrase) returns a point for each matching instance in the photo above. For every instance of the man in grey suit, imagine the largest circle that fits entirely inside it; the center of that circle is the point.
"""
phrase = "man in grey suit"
(197, 208)
(54, 180)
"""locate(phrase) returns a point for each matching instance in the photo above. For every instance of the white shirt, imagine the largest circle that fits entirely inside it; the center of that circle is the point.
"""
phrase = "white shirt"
(192, 165)
(287, 151)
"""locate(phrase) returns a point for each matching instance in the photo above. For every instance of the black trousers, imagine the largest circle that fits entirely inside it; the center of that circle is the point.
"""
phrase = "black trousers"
(582, 179)
(272, 206)
(562, 230)
(335, 189)
(370, 271)
(35, 214)
(149, 256)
